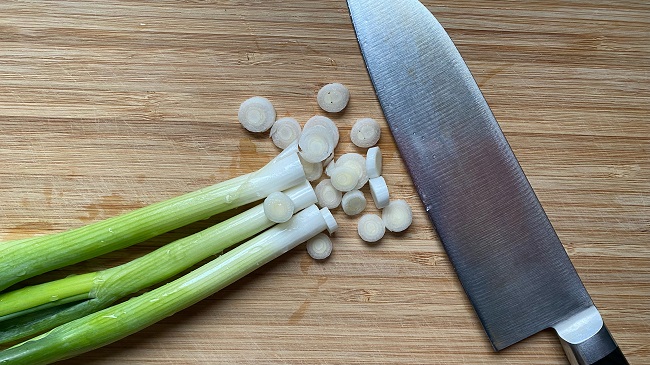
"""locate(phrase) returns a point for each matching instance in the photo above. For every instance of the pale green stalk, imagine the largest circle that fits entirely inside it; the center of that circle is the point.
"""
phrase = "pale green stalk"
(107, 286)
(113, 323)
(30, 257)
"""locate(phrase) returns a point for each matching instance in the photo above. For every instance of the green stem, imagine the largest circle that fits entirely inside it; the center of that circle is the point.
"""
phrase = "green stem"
(113, 323)
(37, 295)
(28, 324)
(112, 284)
(35, 256)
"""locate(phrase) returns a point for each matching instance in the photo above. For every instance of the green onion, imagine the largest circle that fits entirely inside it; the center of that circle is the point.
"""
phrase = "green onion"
(373, 162)
(371, 228)
(107, 286)
(27, 258)
(333, 97)
(113, 323)
(397, 215)
(379, 192)
(365, 133)
(353, 202)
(319, 247)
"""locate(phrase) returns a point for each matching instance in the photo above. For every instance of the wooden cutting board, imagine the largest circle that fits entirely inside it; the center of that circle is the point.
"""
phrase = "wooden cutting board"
(107, 106)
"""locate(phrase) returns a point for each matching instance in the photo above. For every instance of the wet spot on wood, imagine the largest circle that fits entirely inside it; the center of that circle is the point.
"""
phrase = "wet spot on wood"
(26, 230)
(300, 312)
(108, 206)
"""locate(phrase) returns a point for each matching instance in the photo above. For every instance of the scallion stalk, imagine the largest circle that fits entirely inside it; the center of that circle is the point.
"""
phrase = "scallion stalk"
(113, 323)
(30, 257)
(103, 288)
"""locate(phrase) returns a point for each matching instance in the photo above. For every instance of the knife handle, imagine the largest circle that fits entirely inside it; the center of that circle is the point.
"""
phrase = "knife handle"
(614, 358)
(599, 349)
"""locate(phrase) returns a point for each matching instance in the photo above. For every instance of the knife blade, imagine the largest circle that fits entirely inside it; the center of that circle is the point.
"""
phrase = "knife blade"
(503, 247)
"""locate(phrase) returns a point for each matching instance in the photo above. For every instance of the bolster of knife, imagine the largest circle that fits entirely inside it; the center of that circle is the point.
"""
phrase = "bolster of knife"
(586, 340)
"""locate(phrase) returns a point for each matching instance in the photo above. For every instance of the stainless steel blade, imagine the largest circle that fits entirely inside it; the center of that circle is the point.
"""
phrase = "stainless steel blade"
(501, 243)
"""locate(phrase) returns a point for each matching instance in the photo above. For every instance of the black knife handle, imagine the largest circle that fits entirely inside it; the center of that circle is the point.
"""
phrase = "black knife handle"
(599, 349)
(614, 358)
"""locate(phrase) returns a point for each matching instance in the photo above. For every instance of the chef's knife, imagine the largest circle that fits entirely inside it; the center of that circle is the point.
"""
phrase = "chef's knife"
(509, 259)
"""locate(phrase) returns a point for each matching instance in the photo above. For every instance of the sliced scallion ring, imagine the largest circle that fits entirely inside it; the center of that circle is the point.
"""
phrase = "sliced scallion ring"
(329, 168)
(333, 97)
(345, 178)
(353, 202)
(365, 132)
(332, 225)
(397, 216)
(256, 114)
(379, 192)
(284, 131)
(371, 228)
(319, 247)
(316, 144)
(278, 207)
(313, 171)
(357, 162)
(327, 195)
(373, 162)
(325, 122)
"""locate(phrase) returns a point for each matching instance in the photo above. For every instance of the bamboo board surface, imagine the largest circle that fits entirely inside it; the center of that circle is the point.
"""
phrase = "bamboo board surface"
(107, 106)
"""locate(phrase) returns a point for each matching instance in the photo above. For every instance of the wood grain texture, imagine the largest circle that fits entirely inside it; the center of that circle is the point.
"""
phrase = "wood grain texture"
(107, 106)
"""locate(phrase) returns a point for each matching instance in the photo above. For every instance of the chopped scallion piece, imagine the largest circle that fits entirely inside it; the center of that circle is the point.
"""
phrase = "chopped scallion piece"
(333, 97)
(256, 114)
(313, 171)
(316, 144)
(353, 202)
(285, 131)
(328, 196)
(345, 178)
(325, 122)
(358, 163)
(278, 207)
(397, 216)
(373, 162)
(319, 247)
(329, 167)
(379, 192)
(365, 132)
(332, 225)
(371, 228)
